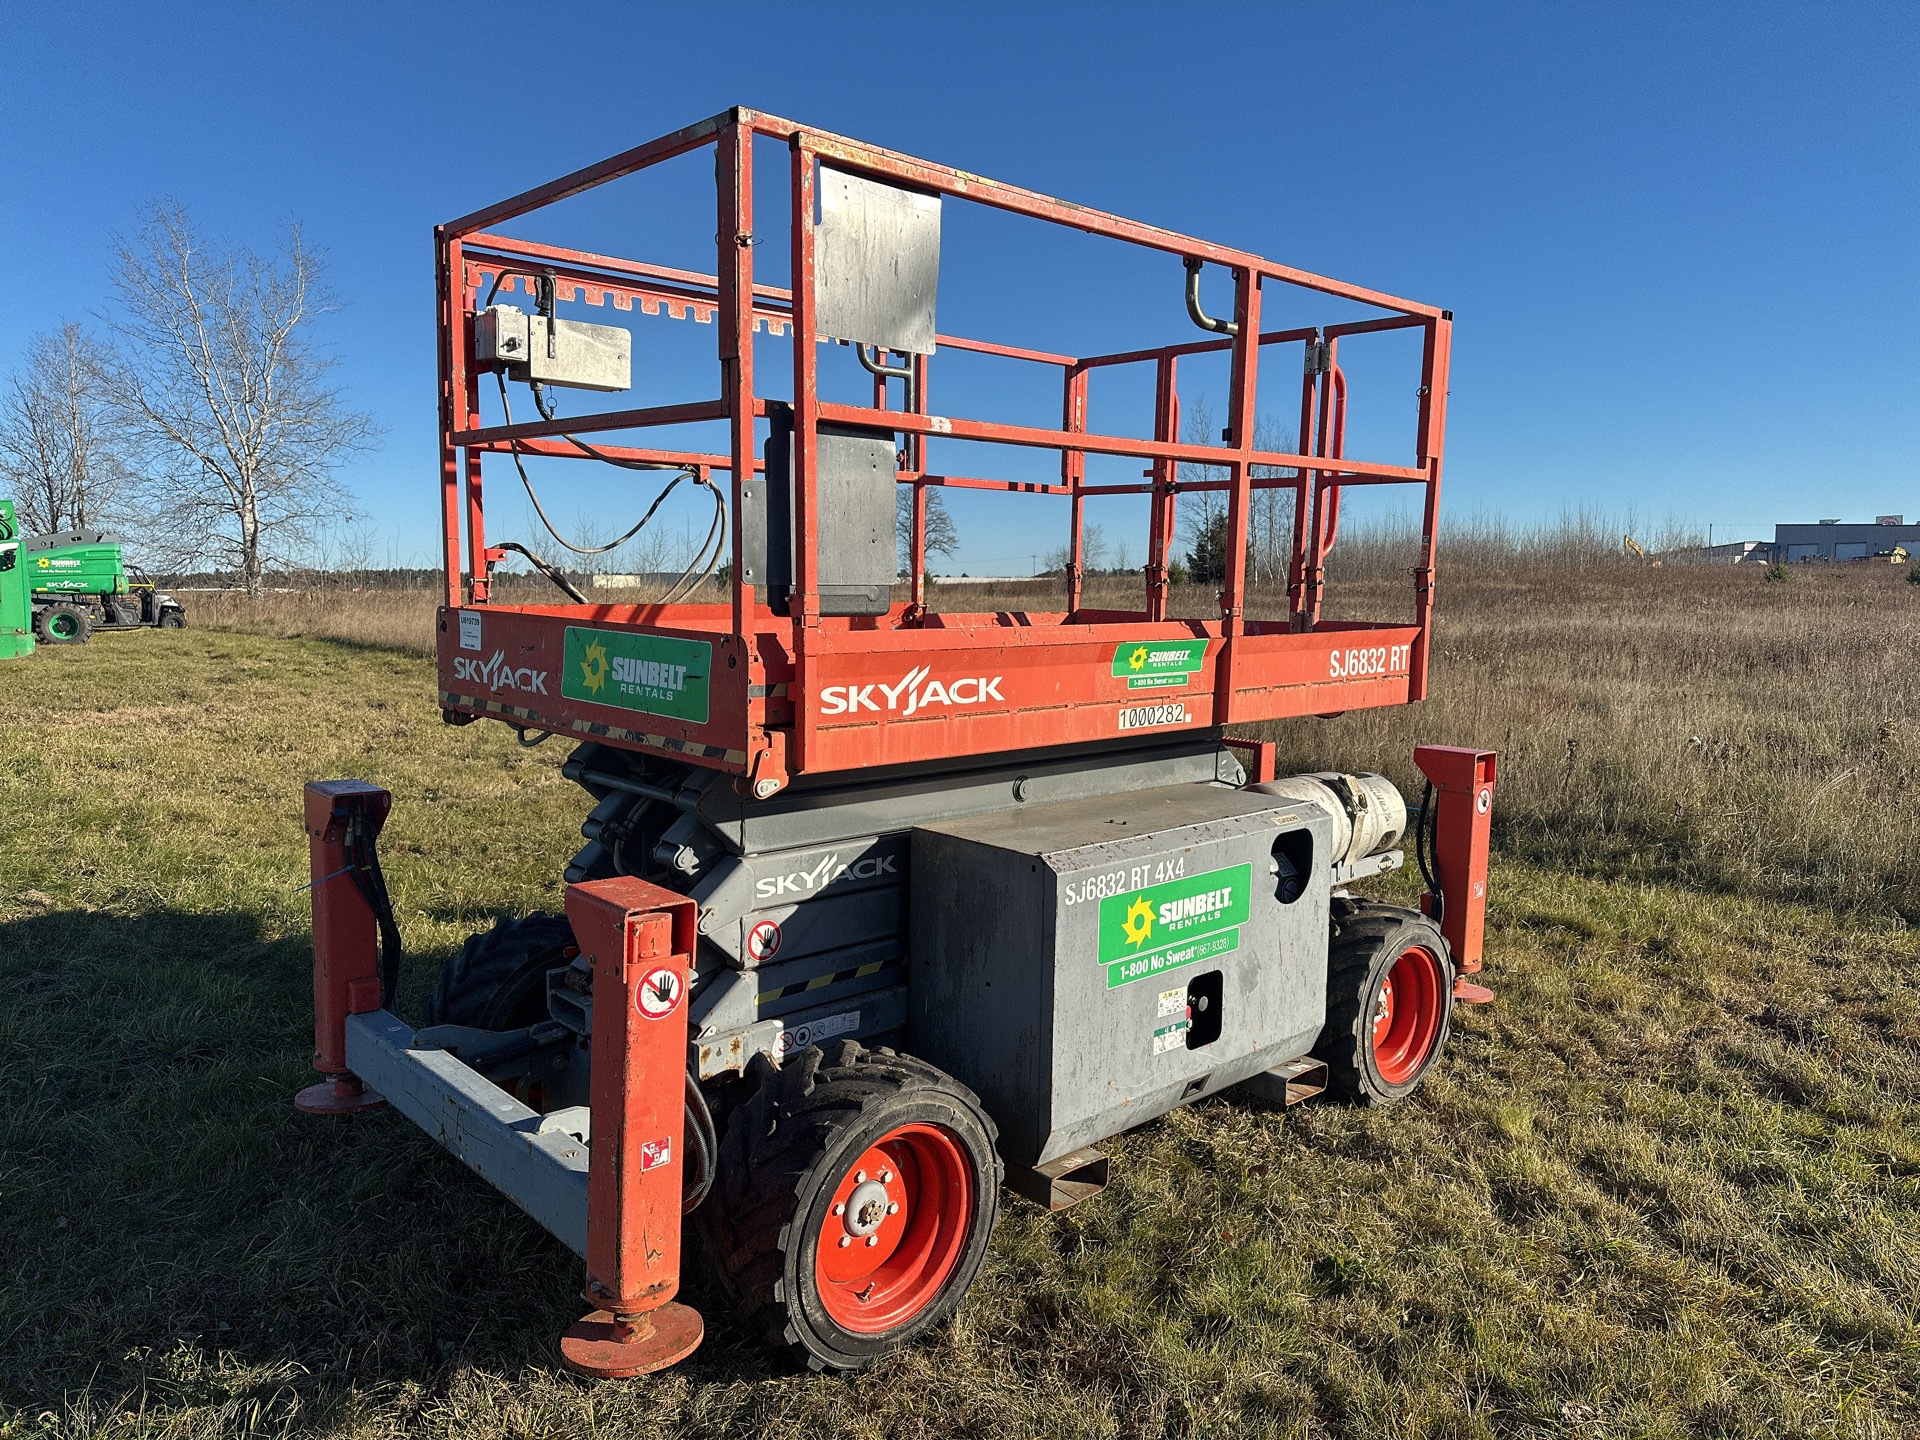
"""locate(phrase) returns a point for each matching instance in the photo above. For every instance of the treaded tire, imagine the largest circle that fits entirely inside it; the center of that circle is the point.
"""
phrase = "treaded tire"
(62, 625)
(498, 981)
(1366, 948)
(790, 1146)
(171, 619)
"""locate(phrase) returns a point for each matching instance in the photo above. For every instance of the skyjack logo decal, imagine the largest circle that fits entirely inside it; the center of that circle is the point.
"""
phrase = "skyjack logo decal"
(829, 870)
(496, 674)
(914, 694)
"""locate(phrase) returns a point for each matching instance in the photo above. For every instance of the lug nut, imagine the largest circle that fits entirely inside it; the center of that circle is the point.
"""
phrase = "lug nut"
(873, 1239)
(845, 1240)
(886, 1177)
(859, 1177)
(840, 1209)
(893, 1208)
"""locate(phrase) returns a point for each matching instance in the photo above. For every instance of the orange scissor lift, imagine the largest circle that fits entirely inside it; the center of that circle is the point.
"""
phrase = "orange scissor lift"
(813, 800)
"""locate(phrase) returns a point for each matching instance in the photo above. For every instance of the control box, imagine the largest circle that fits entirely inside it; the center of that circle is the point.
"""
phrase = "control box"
(1088, 965)
(533, 349)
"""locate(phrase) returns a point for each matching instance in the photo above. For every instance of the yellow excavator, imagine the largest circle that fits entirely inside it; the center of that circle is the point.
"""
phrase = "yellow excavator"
(1631, 547)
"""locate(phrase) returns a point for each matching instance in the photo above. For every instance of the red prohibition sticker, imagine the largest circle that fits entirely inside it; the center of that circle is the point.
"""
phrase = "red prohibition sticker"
(655, 1153)
(658, 994)
(763, 940)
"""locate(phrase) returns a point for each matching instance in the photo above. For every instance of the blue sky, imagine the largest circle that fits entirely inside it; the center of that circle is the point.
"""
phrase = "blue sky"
(1679, 241)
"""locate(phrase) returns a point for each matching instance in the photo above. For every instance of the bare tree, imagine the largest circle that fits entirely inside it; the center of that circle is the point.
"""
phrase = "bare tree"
(1270, 534)
(1093, 551)
(1199, 511)
(1202, 513)
(62, 450)
(220, 379)
(943, 536)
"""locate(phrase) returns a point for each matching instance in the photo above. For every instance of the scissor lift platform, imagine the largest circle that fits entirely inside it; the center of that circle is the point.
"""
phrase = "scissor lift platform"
(775, 683)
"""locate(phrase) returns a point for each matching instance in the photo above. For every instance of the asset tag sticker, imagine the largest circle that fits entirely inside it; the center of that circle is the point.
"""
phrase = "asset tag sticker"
(658, 674)
(470, 630)
(1158, 664)
(1171, 1037)
(1163, 927)
(1148, 717)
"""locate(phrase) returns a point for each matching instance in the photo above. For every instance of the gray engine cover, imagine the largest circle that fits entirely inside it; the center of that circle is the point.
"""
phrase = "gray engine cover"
(1059, 953)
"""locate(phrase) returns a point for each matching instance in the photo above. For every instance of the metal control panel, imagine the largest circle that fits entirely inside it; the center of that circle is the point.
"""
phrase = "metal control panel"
(535, 349)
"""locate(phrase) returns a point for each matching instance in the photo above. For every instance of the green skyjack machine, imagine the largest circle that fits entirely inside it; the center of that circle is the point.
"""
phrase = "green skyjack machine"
(16, 610)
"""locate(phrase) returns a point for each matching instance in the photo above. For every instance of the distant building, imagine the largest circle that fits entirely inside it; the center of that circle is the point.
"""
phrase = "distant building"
(1731, 552)
(1837, 540)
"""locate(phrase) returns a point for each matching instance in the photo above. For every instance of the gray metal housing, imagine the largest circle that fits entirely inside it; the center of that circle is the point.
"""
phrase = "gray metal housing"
(1088, 965)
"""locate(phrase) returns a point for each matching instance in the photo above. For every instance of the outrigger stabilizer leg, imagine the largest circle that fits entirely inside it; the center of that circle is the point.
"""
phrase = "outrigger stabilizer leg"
(639, 940)
(343, 820)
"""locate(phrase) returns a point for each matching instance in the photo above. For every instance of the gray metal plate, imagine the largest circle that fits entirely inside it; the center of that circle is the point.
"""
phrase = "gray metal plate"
(856, 471)
(876, 268)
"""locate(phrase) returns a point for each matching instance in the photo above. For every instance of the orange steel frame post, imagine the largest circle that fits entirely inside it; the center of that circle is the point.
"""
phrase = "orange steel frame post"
(1036, 679)
(1462, 830)
(640, 940)
(346, 954)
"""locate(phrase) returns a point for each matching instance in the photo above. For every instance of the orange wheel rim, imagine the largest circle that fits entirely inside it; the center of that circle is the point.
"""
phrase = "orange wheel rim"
(1407, 1015)
(895, 1229)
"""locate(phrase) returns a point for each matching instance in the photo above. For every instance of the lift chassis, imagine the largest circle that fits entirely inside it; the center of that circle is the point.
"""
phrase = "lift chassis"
(880, 908)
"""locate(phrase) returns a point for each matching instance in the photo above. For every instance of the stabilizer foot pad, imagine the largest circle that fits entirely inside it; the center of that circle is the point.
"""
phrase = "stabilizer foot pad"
(602, 1347)
(337, 1097)
(1471, 994)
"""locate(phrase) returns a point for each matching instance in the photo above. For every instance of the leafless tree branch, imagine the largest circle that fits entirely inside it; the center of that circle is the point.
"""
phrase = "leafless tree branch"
(63, 450)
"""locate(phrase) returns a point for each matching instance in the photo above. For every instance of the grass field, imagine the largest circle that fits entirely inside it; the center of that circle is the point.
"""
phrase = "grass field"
(1668, 1184)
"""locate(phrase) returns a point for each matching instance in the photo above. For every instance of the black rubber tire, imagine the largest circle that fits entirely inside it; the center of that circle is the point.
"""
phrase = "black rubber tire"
(171, 619)
(785, 1150)
(498, 981)
(48, 623)
(1366, 944)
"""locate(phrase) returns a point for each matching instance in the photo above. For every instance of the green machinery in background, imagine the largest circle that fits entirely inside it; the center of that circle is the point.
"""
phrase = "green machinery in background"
(78, 582)
(16, 605)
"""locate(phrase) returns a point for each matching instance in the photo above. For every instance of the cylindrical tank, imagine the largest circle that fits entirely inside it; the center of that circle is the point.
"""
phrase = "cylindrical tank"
(1369, 815)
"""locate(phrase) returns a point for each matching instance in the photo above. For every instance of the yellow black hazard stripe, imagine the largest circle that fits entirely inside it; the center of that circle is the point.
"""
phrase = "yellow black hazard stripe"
(597, 730)
(821, 982)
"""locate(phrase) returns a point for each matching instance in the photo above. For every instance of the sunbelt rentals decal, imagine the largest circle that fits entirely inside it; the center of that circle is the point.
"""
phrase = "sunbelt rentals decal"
(658, 674)
(915, 693)
(1155, 928)
(1158, 664)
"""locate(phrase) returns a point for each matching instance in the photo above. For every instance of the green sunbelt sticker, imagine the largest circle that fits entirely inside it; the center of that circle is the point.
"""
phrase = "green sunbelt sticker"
(1155, 664)
(654, 673)
(1162, 927)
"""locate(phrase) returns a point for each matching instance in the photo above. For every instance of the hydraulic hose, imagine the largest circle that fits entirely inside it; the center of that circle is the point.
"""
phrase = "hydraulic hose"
(363, 856)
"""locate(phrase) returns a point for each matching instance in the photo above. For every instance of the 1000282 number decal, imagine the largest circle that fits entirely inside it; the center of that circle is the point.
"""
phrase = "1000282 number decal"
(1146, 717)
(1371, 660)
